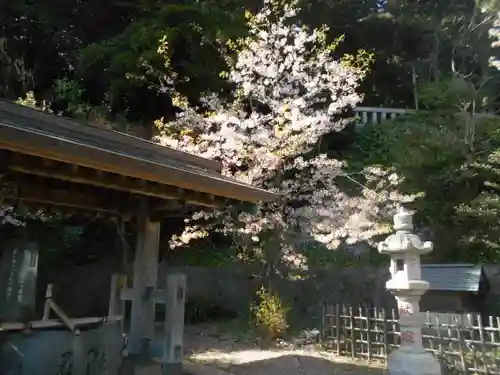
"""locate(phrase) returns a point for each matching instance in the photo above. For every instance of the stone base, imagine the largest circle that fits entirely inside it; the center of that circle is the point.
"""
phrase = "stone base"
(141, 365)
(402, 362)
(171, 368)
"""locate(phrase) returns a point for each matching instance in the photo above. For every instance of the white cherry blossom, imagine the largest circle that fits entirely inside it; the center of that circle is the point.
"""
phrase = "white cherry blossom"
(290, 93)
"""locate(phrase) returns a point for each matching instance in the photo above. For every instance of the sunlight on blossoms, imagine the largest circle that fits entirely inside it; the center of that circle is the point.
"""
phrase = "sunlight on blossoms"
(290, 93)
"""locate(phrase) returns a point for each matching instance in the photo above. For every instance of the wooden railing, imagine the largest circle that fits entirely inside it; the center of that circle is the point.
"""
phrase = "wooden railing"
(376, 115)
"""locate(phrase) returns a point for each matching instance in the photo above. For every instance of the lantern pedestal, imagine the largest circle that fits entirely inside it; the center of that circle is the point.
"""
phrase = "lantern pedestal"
(411, 358)
(401, 362)
(405, 249)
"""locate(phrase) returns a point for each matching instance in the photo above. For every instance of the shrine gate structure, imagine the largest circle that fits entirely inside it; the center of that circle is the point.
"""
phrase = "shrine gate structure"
(51, 161)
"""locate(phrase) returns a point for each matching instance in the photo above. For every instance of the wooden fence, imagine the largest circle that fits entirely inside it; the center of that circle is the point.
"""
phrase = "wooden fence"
(465, 344)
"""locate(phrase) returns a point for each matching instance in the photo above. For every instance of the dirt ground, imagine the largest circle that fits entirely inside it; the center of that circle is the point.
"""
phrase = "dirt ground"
(237, 351)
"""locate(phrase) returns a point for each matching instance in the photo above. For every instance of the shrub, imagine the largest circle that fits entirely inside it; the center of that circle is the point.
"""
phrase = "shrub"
(270, 315)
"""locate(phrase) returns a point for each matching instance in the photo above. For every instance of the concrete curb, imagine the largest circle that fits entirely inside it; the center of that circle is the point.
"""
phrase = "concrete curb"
(193, 368)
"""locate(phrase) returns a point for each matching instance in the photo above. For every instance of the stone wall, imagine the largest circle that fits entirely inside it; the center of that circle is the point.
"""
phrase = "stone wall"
(79, 290)
(84, 291)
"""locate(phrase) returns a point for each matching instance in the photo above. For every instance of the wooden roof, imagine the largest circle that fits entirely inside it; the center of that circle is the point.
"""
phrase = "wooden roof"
(454, 277)
(67, 157)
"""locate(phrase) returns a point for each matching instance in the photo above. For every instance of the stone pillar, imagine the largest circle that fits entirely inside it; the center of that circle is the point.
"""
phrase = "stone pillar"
(18, 274)
(405, 249)
(173, 351)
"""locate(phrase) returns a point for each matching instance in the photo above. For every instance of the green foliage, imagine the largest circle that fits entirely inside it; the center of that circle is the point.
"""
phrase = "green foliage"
(319, 257)
(446, 93)
(204, 254)
(362, 60)
(270, 315)
(198, 310)
(120, 58)
(450, 161)
(72, 93)
(166, 47)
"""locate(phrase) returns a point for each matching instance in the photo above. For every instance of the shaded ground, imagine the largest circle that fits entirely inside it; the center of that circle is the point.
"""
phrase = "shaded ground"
(236, 350)
(287, 364)
(301, 364)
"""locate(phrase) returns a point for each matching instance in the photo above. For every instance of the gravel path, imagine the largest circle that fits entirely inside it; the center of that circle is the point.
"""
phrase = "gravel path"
(241, 354)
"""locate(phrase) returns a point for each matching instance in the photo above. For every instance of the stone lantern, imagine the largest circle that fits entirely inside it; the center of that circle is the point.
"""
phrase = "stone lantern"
(405, 248)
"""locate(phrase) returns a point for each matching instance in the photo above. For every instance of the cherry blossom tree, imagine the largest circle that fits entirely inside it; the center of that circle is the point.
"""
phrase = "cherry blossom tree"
(290, 93)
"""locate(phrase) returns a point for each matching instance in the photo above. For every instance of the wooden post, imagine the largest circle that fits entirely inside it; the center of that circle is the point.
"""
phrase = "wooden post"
(462, 346)
(324, 323)
(144, 283)
(352, 328)
(395, 330)
(361, 329)
(114, 307)
(495, 332)
(473, 328)
(136, 310)
(151, 248)
(439, 336)
(484, 353)
(385, 332)
(338, 321)
(369, 326)
(46, 306)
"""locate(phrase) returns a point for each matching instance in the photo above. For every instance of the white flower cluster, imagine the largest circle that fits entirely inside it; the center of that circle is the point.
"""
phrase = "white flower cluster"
(10, 216)
(290, 94)
(7, 216)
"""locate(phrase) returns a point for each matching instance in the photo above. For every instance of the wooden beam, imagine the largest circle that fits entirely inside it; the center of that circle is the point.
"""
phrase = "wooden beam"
(60, 197)
(86, 176)
(86, 152)
(170, 213)
(51, 209)
(157, 209)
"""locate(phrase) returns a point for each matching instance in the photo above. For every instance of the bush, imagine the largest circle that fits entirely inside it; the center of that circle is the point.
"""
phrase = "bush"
(270, 315)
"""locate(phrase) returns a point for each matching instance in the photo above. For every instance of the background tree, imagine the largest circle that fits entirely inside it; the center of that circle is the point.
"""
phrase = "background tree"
(122, 69)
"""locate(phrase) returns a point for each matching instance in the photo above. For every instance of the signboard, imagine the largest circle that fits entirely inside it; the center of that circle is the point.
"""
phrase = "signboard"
(18, 272)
